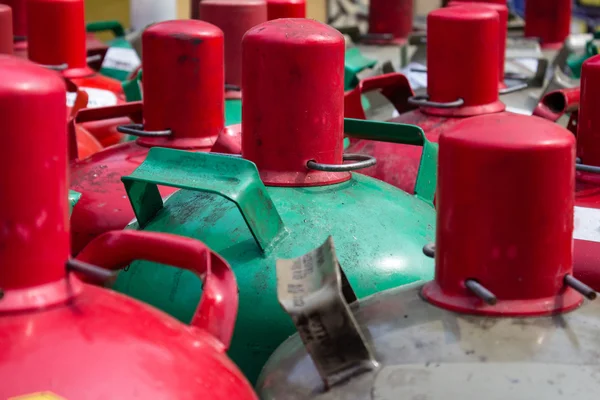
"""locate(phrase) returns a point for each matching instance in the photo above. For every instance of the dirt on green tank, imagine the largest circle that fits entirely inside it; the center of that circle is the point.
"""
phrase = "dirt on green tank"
(379, 231)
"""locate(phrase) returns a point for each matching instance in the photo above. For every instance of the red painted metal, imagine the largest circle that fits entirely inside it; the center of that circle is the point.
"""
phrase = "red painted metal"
(6, 30)
(61, 335)
(180, 94)
(462, 64)
(488, 163)
(502, 11)
(19, 26)
(270, 50)
(548, 20)
(587, 193)
(286, 9)
(556, 103)
(390, 16)
(56, 35)
(234, 18)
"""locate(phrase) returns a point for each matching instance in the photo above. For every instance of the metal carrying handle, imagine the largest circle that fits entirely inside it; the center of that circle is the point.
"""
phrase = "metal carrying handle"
(59, 67)
(233, 178)
(362, 161)
(587, 168)
(513, 89)
(218, 306)
(106, 26)
(423, 101)
(138, 130)
(19, 38)
(558, 102)
(233, 88)
(394, 86)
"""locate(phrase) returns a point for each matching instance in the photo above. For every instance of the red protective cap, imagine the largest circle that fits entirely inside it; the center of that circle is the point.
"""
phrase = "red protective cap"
(462, 60)
(34, 213)
(234, 17)
(56, 35)
(548, 20)
(505, 201)
(390, 16)
(293, 101)
(183, 83)
(502, 11)
(588, 133)
(19, 15)
(6, 31)
(286, 9)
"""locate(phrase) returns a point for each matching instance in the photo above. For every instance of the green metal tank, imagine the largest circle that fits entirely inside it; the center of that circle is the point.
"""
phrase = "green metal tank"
(289, 192)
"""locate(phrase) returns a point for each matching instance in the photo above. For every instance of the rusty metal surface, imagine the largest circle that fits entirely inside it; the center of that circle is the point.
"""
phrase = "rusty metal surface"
(429, 353)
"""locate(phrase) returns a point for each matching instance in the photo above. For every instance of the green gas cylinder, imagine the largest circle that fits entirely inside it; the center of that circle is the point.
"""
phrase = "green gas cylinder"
(289, 192)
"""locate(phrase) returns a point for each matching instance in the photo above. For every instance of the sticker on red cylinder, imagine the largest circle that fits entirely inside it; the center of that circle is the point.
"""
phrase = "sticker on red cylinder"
(38, 396)
(97, 97)
(587, 224)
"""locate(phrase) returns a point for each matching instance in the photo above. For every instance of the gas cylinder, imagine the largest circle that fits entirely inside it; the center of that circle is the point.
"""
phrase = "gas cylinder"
(286, 9)
(182, 109)
(289, 191)
(549, 21)
(6, 34)
(56, 38)
(504, 314)
(587, 189)
(462, 81)
(390, 22)
(234, 18)
(59, 334)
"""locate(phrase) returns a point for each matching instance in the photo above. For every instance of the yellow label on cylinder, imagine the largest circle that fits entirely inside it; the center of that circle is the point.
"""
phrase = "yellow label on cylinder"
(38, 396)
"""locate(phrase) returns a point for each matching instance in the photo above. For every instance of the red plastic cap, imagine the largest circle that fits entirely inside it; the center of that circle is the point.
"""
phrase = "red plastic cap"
(34, 233)
(6, 31)
(293, 101)
(56, 34)
(234, 18)
(588, 133)
(502, 11)
(548, 20)
(391, 16)
(505, 201)
(462, 60)
(183, 83)
(286, 9)
(19, 15)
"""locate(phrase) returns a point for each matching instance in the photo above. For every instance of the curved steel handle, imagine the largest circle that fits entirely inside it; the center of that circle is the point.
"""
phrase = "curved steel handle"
(138, 130)
(217, 310)
(362, 161)
(393, 86)
(106, 26)
(423, 101)
(558, 102)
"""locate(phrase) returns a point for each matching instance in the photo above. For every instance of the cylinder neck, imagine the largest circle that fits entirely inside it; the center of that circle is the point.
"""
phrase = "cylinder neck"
(505, 217)
(183, 83)
(588, 131)
(293, 101)
(56, 35)
(234, 18)
(286, 9)
(6, 30)
(19, 15)
(462, 61)
(34, 239)
(548, 20)
(393, 17)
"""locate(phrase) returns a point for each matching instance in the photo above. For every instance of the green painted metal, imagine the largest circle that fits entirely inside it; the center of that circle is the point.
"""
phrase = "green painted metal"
(404, 134)
(133, 88)
(355, 62)
(73, 199)
(575, 61)
(233, 111)
(378, 229)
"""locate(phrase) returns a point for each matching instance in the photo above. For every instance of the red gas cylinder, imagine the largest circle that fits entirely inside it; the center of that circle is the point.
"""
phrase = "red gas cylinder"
(182, 109)
(548, 20)
(587, 191)
(286, 9)
(502, 11)
(19, 26)
(76, 341)
(462, 81)
(6, 33)
(234, 17)
(57, 38)
(387, 17)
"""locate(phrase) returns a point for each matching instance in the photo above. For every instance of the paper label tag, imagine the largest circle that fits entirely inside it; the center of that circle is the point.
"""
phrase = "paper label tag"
(122, 59)
(97, 97)
(587, 224)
